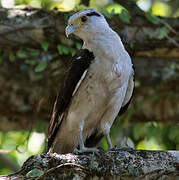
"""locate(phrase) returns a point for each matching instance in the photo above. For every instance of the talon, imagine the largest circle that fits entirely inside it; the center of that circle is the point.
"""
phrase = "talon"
(126, 148)
(100, 148)
(76, 151)
(85, 150)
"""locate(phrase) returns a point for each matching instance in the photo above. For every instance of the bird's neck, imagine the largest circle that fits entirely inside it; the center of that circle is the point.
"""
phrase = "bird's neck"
(106, 44)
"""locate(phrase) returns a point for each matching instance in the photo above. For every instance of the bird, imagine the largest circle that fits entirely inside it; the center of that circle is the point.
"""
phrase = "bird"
(97, 87)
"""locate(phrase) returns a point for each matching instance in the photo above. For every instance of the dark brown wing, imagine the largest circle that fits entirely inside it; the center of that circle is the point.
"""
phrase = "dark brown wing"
(80, 63)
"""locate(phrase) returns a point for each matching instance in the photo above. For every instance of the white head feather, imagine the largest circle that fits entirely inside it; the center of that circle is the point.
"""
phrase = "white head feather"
(96, 34)
(95, 24)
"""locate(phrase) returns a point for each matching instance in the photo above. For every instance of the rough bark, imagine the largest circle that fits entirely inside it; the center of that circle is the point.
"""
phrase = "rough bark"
(29, 27)
(115, 164)
(24, 97)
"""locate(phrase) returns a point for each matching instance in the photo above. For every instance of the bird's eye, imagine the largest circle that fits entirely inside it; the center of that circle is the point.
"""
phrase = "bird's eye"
(83, 19)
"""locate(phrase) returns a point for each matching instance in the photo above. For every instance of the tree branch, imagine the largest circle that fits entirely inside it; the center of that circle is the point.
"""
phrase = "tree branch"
(30, 27)
(113, 164)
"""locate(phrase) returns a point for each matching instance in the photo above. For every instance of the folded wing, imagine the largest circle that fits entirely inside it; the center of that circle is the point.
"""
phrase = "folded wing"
(80, 64)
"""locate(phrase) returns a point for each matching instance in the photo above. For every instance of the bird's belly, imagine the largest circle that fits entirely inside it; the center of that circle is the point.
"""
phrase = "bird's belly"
(91, 100)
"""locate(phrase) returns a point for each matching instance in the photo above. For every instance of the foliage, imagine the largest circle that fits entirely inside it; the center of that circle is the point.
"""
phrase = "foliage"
(149, 136)
(152, 18)
(124, 16)
(17, 146)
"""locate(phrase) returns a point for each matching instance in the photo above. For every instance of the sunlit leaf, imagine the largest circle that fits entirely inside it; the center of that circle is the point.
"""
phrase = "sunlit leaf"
(35, 4)
(35, 146)
(150, 144)
(114, 8)
(160, 8)
(46, 4)
(64, 6)
(4, 171)
(41, 66)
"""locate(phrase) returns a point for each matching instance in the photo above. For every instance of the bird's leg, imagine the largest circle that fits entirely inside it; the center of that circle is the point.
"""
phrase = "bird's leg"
(82, 146)
(106, 130)
(108, 139)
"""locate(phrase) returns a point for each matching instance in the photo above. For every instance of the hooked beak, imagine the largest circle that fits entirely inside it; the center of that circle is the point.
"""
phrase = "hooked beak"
(69, 30)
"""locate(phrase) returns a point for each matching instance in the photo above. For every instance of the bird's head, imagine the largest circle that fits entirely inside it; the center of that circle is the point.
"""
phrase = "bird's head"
(85, 23)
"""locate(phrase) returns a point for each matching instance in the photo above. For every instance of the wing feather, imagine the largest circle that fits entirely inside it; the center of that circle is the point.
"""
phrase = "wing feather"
(129, 94)
(76, 72)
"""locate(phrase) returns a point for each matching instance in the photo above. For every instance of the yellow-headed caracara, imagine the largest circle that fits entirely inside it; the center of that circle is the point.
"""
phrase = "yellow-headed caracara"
(97, 87)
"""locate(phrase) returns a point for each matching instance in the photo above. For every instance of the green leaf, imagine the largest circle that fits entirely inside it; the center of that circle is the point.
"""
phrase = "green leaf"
(72, 51)
(41, 66)
(60, 49)
(113, 11)
(65, 50)
(131, 44)
(78, 45)
(162, 33)
(124, 16)
(31, 62)
(11, 56)
(111, 172)
(34, 173)
(107, 14)
(45, 46)
(34, 52)
(66, 17)
(21, 54)
(150, 36)
(152, 18)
